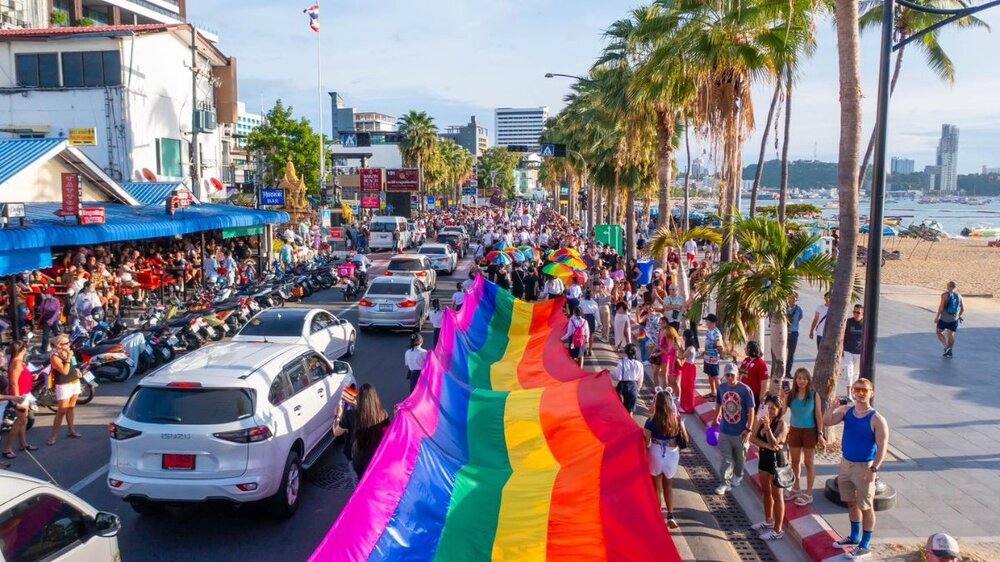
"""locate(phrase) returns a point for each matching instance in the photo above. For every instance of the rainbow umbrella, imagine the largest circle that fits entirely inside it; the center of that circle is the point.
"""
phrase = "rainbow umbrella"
(581, 277)
(493, 255)
(502, 246)
(509, 249)
(502, 259)
(560, 271)
(568, 252)
(516, 256)
(575, 263)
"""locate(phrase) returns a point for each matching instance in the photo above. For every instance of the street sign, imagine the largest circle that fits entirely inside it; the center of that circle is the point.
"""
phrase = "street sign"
(349, 141)
(431, 202)
(336, 233)
(12, 210)
(184, 198)
(324, 218)
(72, 195)
(83, 137)
(402, 179)
(92, 215)
(547, 150)
(272, 197)
(371, 180)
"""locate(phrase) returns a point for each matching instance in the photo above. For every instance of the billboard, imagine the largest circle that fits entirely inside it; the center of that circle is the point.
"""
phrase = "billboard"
(402, 179)
(72, 193)
(369, 202)
(272, 197)
(371, 180)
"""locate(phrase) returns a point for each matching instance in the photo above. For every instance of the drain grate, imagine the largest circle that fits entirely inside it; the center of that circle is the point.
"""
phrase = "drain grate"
(333, 479)
(730, 517)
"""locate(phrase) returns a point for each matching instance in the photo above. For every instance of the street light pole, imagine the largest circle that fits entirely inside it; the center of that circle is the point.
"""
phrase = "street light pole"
(583, 185)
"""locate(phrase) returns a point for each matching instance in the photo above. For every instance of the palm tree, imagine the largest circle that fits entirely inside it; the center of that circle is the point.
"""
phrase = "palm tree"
(908, 22)
(772, 267)
(759, 173)
(419, 139)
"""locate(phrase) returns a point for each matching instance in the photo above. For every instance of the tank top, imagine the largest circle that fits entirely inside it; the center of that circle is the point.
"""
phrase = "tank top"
(20, 373)
(804, 411)
(858, 442)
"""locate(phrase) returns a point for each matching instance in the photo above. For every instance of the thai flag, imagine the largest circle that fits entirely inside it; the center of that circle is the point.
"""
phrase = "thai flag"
(313, 13)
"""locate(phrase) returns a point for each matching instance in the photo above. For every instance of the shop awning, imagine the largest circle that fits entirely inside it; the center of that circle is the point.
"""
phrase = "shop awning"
(241, 231)
(153, 193)
(44, 230)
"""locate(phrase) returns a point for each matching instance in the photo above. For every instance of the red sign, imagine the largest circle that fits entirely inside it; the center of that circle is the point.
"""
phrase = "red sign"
(369, 202)
(183, 198)
(371, 180)
(72, 195)
(402, 179)
(92, 215)
(337, 233)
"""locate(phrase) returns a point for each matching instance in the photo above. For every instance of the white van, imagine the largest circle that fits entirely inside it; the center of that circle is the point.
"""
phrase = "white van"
(381, 232)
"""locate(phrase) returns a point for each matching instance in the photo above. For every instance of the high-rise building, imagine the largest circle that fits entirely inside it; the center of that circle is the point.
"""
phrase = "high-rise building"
(470, 136)
(120, 12)
(373, 122)
(342, 116)
(988, 170)
(902, 165)
(932, 178)
(521, 126)
(947, 158)
(16, 14)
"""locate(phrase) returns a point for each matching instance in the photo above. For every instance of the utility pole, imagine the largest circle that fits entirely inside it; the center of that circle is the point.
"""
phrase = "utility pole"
(195, 155)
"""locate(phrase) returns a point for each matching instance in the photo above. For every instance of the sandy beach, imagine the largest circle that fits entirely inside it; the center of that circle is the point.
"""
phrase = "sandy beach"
(970, 263)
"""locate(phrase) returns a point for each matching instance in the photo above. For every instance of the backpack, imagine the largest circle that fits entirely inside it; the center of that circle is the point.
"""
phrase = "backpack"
(953, 303)
(579, 338)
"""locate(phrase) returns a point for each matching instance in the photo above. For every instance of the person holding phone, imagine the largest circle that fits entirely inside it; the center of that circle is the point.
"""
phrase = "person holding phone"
(769, 437)
(805, 434)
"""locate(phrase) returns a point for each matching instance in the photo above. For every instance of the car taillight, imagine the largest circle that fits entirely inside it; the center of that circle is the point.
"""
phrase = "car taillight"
(120, 433)
(184, 384)
(407, 304)
(387, 273)
(421, 274)
(366, 303)
(250, 435)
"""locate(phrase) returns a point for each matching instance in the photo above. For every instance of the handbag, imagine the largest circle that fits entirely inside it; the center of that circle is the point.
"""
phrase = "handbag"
(656, 360)
(681, 440)
(783, 476)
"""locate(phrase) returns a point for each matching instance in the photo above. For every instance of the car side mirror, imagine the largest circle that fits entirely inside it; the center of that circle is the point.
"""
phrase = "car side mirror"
(107, 524)
(341, 367)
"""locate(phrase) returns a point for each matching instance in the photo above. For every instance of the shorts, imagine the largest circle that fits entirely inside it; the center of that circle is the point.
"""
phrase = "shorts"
(67, 391)
(851, 480)
(663, 460)
(690, 257)
(805, 438)
(950, 326)
(766, 462)
(712, 369)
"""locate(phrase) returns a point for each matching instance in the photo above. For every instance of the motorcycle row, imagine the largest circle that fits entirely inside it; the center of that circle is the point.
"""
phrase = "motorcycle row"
(111, 352)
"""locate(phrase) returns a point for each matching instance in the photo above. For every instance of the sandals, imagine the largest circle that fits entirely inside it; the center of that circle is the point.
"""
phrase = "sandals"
(803, 500)
(791, 495)
(75, 435)
(30, 448)
(9, 455)
(50, 442)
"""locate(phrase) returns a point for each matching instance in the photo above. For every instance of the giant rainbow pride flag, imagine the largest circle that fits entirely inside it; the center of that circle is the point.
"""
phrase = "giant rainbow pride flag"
(508, 451)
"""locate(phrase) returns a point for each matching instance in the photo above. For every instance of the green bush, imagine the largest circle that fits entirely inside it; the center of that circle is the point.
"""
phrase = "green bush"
(59, 18)
(85, 22)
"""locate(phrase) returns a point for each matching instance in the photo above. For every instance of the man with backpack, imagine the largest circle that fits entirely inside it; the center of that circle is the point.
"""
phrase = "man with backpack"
(949, 316)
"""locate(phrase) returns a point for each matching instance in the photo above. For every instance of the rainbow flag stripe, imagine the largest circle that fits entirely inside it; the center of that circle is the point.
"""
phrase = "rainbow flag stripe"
(506, 450)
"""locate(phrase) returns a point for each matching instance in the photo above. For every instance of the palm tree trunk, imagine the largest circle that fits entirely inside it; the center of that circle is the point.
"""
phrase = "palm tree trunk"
(664, 161)
(763, 148)
(871, 140)
(687, 175)
(849, 63)
(779, 350)
(783, 189)
(420, 173)
(630, 224)
(599, 204)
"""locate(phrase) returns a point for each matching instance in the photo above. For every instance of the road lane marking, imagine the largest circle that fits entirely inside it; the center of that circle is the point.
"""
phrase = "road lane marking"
(79, 486)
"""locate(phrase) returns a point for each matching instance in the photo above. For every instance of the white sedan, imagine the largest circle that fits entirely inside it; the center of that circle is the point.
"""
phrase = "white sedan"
(442, 257)
(333, 337)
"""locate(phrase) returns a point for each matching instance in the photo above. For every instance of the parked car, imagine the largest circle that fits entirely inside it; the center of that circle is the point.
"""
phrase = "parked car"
(236, 422)
(458, 244)
(41, 521)
(442, 257)
(394, 302)
(327, 334)
(413, 265)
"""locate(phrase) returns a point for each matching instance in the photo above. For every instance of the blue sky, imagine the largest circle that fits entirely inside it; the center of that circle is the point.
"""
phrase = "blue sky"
(456, 58)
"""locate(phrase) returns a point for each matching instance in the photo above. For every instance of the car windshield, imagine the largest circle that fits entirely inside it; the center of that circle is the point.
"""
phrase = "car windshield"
(406, 265)
(382, 226)
(189, 406)
(274, 323)
(433, 250)
(447, 238)
(452, 229)
(390, 289)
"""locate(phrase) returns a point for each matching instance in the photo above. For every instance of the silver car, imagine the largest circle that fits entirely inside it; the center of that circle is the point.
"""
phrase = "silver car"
(413, 265)
(394, 302)
(442, 257)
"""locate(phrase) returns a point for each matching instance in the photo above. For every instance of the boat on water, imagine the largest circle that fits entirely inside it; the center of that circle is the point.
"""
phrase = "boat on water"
(981, 231)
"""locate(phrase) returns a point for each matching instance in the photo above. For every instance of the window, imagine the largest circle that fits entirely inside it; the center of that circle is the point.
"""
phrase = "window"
(296, 373)
(389, 289)
(189, 406)
(407, 265)
(37, 70)
(72, 70)
(317, 367)
(319, 323)
(91, 69)
(169, 160)
(281, 390)
(40, 527)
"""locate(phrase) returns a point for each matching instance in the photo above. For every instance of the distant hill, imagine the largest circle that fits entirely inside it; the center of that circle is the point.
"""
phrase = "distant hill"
(802, 174)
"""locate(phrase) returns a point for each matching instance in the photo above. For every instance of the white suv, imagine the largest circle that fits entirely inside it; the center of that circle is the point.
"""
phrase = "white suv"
(235, 422)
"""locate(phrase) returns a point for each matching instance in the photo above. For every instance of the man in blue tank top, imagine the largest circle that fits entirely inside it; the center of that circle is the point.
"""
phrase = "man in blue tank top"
(863, 445)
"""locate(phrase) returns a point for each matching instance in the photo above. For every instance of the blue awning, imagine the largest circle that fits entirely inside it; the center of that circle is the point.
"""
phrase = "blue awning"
(44, 230)
(148, 193)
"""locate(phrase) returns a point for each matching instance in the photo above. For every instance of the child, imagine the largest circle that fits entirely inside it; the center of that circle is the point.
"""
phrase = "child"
(437, 319)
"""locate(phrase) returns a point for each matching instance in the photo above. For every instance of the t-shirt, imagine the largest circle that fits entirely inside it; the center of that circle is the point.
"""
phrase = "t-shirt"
(458, 297)
(756, 373)
(676, 300)
(655, 432)
(822, 310)
(415, 358)
(853, 336)
(794, 317)
(737, 402)
(713, 339)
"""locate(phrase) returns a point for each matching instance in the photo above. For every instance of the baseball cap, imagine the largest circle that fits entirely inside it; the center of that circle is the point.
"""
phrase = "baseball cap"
(712, 318)
(943, 546)
(731, 369)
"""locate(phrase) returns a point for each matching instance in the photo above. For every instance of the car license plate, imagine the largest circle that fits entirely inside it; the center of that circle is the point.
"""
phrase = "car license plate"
(172, 340)
(88, 377)
(178, 462)
(385, 308)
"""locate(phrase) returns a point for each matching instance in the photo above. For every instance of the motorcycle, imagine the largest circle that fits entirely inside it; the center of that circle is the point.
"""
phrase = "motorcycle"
(45, 393)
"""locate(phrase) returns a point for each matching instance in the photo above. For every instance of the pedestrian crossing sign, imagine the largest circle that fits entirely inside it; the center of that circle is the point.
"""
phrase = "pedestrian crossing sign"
(349, 141)
(548, 150)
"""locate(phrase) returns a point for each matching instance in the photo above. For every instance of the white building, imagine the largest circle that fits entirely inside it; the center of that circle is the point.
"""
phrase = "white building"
(374, 122)
(16, 14)
(122, 12)
(128, 86)
(238, 166)
(519, 126)
(947, 158)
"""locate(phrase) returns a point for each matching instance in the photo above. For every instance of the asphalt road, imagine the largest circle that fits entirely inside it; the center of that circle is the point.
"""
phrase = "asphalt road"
(219, 532)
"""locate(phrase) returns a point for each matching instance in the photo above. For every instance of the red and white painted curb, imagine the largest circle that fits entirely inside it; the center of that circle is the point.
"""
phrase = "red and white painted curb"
(801, 522)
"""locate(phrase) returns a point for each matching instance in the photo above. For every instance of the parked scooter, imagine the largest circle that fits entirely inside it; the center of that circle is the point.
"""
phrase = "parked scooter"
(45, 392)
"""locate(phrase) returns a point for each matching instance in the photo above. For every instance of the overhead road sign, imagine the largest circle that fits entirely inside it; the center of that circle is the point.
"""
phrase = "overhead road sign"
(553, 151)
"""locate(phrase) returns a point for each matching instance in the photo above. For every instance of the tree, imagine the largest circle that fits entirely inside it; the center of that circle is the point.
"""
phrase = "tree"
(504, 163)
(907, 23)
(281, 138)
(419, 139)
(760, 284)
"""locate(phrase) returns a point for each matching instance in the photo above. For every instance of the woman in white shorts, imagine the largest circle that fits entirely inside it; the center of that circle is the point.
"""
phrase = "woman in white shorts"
(67, 379)
(662, 430)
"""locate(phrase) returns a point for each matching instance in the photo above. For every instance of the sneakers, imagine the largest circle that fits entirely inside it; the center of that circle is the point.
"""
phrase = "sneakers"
(722, 489)
(762, 526)
(947, 352)
(737, 481)
(845, 542)
(771, 535)
(803, 500)
(791, 494)
(671, 522)
(858, 554)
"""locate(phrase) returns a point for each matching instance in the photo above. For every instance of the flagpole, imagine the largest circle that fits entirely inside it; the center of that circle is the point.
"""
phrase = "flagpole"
(319, 96)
